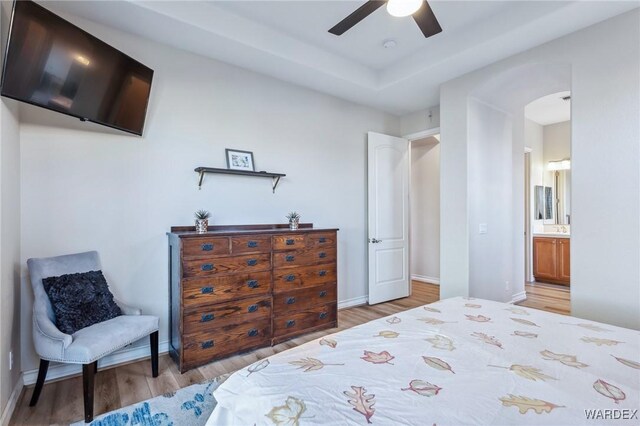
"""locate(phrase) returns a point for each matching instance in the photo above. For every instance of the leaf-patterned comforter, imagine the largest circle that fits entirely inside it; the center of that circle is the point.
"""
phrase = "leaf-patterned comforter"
(457, 361)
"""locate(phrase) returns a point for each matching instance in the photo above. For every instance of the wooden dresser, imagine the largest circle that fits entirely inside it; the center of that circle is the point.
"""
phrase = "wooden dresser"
(238, 288)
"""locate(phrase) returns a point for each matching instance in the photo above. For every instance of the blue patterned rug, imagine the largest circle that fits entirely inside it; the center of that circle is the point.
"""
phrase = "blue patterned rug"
(190, 406)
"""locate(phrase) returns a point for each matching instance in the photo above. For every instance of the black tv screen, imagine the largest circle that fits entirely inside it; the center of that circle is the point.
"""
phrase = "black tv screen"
(51, 63)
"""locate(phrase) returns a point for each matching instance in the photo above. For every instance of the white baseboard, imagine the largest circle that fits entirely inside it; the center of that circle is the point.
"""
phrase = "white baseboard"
(124, 355)
(518, 297)
(426, 279)
(356, 301)
(12, 402)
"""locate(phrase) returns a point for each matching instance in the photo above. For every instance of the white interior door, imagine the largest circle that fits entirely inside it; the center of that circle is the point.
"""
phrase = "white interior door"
(388, 183)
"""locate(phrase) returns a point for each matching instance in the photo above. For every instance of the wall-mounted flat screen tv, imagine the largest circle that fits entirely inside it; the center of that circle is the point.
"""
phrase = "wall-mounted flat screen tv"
(51, 63)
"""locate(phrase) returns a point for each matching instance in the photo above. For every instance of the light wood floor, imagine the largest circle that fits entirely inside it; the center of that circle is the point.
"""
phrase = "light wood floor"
(61, 401)
(548, 297)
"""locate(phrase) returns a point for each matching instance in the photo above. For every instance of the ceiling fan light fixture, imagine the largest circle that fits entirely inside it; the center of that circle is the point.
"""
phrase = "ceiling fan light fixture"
(400, 8)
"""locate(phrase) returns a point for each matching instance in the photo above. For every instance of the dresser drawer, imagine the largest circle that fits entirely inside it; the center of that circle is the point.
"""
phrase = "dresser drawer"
(296, 322)
(288, 279)
(251, 244)
(289, 241)
(321, 240)
(196, 247)
(226, 265)
(284, 303)
(313, 256)
(204, 347)
(200, 291)
(222, 314)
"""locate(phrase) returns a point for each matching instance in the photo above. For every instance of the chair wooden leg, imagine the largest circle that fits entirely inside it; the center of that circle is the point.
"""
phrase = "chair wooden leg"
(153, 337)
(88, 374)
(42, 375)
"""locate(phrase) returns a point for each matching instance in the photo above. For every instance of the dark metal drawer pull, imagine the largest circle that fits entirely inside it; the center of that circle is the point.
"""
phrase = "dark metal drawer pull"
(252, 244)
(252, 262)
(323, 315)
(291, 300)
(252, 284)
(291, 323)
(290, 277)
(206, 318)
(322, 240)
(252, 332)
(252, 308)
(289, 258)
(207, 267)
(323, 293)
(322, 255)
(290, 242)
(322, 273)
(206, 345)
(206, 290)
(207, 247)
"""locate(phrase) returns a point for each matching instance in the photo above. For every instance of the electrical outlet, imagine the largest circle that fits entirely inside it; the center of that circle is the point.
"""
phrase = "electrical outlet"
(507, 287)
(10, 360)
(482, 228)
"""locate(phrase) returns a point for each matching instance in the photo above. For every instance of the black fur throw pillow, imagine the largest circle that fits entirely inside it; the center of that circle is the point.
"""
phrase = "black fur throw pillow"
(80, 300)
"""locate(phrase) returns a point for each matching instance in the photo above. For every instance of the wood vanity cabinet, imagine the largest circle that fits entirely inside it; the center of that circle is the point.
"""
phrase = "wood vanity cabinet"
(238, 288)
(551, 260)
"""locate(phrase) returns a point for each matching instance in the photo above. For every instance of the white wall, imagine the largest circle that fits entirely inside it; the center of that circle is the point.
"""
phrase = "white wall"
(557, 141)
(119, 194)
(425, 209)
(9, 238)
(9, 248)
(490, 199)
(420, 121)
(605, 172)
(534, 139)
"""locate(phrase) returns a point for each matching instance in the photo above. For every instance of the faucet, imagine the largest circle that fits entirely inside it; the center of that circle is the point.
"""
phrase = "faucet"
(564, 229)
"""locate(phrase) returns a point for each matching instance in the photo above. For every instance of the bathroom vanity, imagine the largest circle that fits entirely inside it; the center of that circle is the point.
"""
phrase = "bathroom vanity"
(551, 258)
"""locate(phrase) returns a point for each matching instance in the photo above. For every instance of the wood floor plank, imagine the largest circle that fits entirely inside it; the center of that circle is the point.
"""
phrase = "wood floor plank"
(548, 297)
(165, 382)
(106, 393)
(68, 402)
(61, 401)
(132, 383)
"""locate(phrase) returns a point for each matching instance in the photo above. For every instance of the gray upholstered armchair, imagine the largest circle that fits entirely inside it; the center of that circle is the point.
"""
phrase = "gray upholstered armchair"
(88, 345)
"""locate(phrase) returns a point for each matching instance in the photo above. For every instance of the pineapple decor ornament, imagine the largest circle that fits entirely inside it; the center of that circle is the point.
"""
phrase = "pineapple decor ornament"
(202, 221)
(294, 220)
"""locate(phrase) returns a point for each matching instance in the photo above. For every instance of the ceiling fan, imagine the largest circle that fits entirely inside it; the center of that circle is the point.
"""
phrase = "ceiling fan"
(420, 9)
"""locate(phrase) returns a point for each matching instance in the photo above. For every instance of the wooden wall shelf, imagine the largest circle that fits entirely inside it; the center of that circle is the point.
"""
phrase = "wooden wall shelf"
(275, 177)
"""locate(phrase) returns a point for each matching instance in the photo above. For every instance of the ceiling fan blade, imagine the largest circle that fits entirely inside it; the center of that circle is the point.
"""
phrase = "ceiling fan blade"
(358, 15)
(427, 21)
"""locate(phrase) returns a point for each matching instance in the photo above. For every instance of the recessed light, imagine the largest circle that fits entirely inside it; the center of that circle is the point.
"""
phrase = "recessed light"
(389, 44)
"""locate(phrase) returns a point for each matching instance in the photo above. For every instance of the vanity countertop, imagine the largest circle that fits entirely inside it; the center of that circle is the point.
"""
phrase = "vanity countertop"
(552, 234)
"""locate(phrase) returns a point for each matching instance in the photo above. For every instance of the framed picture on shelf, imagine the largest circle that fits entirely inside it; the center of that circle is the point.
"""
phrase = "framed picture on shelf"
(240, 160)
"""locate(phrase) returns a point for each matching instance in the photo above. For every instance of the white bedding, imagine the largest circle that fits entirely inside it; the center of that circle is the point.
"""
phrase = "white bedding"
(457, 361)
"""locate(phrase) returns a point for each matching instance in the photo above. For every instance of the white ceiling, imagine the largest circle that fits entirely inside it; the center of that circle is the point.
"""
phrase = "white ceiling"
(289, 39)
(549, 109)
(310, 20)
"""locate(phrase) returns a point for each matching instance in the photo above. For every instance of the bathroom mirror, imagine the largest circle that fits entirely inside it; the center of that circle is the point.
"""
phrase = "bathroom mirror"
(557, 198)
(544, 203)
(562, 200)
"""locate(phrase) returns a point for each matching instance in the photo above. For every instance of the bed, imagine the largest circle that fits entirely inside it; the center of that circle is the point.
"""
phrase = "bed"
(457, 361)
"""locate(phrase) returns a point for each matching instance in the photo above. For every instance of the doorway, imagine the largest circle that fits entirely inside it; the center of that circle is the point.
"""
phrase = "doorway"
(424, 218)
(548, 194)
(391, 261)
